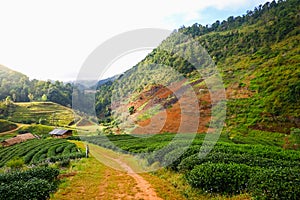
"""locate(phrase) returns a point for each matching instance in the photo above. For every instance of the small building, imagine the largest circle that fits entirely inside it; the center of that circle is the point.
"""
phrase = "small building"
(61, 133)
(17, 139)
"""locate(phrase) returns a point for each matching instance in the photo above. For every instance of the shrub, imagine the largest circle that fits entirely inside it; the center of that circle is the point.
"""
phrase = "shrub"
(131, 110)
(35, 183)
(15, 163)
(220, 178)
(276, 183)
(45, 173)
(32, 189)
(64, 163)
(74, 138)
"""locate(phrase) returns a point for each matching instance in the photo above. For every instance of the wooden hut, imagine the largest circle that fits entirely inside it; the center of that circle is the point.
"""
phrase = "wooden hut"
(61, 133)
(17, 139)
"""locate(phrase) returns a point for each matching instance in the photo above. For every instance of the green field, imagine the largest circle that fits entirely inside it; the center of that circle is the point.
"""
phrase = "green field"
(38, 151)
(31, 168)
(229, 168)
(46, 113)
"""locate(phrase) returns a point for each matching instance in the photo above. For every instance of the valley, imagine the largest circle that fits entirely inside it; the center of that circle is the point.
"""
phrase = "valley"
(213, 112)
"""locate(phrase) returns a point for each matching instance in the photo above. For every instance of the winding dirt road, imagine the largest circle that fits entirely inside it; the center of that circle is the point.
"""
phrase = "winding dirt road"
(142, 188)
(14, 130)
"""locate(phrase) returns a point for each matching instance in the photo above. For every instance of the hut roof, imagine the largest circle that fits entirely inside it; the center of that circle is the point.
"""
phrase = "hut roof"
(18, 139)
(58, 132)
(26, 136)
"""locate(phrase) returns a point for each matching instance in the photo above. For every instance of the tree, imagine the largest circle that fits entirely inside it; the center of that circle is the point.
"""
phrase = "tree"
(44, 97)
(14, 97)
(131, 110)
(8, 100)
(30, 96)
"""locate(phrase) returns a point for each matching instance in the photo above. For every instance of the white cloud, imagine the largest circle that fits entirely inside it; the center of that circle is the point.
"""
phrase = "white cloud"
(51, 39)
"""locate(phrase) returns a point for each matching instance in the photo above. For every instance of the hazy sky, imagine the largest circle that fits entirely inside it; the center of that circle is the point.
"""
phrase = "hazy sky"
(51, 39)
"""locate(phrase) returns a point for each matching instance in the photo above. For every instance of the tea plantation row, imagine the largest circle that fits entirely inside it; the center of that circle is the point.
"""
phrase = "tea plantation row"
(38, 151)
(265, 172)
(35, 183)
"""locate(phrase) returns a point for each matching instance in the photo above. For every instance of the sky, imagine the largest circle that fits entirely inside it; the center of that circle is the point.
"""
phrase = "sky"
(52, 39)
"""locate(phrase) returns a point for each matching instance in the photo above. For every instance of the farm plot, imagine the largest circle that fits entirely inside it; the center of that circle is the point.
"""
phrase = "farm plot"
(38, 151)
(46, 113)
(242, 168)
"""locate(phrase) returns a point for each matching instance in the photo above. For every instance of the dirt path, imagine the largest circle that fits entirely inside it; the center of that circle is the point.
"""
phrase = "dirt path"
(11, 131)
(142, 188)
(90, 178)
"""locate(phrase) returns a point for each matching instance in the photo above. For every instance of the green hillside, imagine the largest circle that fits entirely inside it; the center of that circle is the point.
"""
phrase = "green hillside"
(46, 113)
(257, 55)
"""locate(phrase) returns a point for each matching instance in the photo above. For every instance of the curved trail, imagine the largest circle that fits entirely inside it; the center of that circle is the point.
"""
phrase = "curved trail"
(143, 188)
(11, 131)
(108, 175)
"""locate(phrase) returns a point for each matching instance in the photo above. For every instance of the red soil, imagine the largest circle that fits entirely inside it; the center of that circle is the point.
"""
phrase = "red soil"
(189, 112)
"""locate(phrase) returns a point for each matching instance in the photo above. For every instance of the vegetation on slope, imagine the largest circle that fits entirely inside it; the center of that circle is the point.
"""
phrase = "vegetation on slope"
(31, 168)
(18, 88)
(35, 183)
(257, 55)
(6, 126)
(40, 151)
(228, 168)
(46, 113)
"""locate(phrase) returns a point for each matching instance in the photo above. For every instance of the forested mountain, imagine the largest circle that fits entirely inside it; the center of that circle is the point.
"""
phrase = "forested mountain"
(257, 55)
(17, 87)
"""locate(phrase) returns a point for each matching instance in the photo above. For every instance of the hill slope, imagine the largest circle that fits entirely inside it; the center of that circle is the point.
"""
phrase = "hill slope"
(257, 55)
(46, 113)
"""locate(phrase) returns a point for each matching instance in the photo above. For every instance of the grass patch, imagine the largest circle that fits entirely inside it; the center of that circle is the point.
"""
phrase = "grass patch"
(90, 179)
(149, 113)
(7, 136)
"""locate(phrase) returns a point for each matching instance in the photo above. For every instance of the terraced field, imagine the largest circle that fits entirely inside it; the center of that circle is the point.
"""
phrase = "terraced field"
(46, 113)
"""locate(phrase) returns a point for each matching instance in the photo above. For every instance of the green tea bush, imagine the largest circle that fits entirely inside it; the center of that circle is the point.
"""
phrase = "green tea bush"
(220, 178)
(38, 189)
(39, 151)
(188, 163)
(276, 183)
(15, 163)
(35, 183)
(64, 163)
(45, 173)
(74, 138)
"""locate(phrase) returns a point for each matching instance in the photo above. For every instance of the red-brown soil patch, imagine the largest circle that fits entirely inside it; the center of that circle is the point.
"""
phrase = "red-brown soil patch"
(187, 109)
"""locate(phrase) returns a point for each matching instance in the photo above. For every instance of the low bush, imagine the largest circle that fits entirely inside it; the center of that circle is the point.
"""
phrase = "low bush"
(33, 189)
(45, 173)
(35, 183)
(74, 138)
(276, 183)
(39, 151)
(220, 177)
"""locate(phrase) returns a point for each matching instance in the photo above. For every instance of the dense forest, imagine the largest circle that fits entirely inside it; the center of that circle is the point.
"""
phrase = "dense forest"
(17, 87)
(257, 53)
